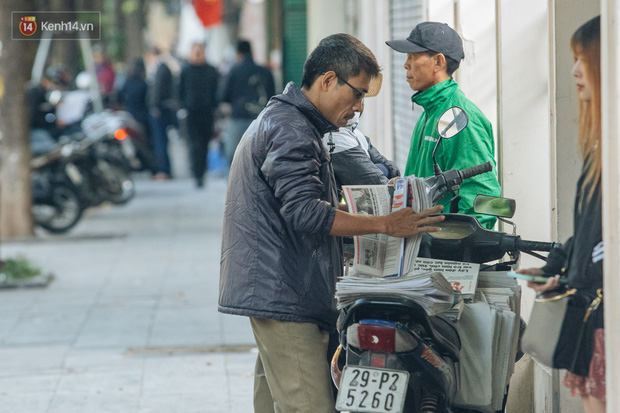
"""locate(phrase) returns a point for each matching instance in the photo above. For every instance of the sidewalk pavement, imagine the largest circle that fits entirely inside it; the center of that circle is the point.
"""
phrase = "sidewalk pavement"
(130, 322)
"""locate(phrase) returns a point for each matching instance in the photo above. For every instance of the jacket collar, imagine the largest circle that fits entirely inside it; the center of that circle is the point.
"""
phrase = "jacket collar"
(435, 95)
(293, 96)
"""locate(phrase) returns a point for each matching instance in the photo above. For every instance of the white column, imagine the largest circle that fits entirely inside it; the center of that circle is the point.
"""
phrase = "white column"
(373, 30)
(325, 17)
(610, 85)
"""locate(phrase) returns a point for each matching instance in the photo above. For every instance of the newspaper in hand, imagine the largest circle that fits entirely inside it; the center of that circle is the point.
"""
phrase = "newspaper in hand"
(375, 254)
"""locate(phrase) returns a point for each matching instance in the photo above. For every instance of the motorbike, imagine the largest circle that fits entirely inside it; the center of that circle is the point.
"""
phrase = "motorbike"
(393, 357)
(56, 181)
(105, 173)
(129, 139)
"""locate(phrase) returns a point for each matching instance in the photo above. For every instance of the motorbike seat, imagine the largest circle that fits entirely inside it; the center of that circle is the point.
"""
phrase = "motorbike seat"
(440, 331)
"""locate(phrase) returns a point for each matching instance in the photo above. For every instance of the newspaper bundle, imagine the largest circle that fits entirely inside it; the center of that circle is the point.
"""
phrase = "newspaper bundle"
(431, 290)
(489, 331)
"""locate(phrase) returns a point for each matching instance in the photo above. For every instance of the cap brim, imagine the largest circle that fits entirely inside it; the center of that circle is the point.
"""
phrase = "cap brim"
(405, 46)
(374, 86)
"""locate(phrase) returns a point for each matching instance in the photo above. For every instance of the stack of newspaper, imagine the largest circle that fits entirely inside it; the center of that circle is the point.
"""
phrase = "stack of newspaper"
(489, 330)
(431, 290)
(463, 276)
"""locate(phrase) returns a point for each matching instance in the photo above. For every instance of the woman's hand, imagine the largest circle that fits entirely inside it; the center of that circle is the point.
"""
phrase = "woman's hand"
(551, 284)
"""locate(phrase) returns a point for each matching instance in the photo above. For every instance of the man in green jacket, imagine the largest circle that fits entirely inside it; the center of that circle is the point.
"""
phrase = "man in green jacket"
(434, 51)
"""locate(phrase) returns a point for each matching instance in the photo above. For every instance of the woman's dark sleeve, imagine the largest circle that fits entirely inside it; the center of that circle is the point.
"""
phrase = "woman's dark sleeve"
(557, 258)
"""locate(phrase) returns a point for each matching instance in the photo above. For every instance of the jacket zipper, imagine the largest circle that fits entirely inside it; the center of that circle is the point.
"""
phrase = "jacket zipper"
(309, 274)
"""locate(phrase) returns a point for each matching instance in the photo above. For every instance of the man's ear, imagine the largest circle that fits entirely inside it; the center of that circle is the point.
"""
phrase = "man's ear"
(441, 63)
(327, 79)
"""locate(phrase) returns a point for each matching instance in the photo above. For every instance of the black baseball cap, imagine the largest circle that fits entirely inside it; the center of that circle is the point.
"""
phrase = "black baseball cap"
(438, 37)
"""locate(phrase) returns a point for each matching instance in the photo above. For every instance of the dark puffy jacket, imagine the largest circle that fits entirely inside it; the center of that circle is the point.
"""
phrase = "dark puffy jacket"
(278, 259)
(246, 86)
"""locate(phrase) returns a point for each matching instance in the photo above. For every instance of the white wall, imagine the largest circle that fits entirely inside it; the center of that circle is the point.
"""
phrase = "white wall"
(477, 75)
(373, 30)
(610, 85)
(526, 144)
(325, 17)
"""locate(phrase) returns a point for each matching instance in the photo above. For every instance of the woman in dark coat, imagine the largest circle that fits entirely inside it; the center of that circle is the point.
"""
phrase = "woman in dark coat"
(583, 253)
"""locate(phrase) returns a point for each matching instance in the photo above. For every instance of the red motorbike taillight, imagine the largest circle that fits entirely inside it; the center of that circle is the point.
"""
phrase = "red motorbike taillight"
(376, 338)
(120, 134)
(378, 359)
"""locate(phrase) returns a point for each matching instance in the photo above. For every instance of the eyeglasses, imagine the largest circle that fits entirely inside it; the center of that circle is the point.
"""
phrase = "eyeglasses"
(359, 95)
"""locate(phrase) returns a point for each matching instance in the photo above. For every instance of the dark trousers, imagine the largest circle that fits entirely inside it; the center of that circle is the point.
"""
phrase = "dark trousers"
(159, 134)
(199, 133)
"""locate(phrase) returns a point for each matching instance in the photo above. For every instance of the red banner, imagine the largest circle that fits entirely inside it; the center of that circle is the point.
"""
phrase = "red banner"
(209, 11)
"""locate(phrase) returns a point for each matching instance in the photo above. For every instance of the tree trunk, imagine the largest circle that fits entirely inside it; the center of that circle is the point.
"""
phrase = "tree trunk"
(134, 21)
(65, 53)
(15, 191)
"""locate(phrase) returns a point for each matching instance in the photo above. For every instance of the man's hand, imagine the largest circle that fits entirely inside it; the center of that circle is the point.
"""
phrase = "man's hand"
(393, 180)
(405, 223)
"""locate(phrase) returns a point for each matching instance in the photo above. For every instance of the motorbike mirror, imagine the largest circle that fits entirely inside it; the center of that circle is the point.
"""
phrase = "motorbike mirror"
(494, 205)
(451, 122)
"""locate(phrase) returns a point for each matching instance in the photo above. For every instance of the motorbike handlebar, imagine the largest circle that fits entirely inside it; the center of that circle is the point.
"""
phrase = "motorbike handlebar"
(524, 246)
(476, 170)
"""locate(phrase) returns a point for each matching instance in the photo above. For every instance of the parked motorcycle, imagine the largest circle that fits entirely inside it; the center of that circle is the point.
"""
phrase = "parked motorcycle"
(128, 136)
(55, 184)
(393, 357)
(105, 173)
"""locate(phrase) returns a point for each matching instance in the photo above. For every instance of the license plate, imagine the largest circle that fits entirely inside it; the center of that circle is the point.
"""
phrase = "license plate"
(372, 390)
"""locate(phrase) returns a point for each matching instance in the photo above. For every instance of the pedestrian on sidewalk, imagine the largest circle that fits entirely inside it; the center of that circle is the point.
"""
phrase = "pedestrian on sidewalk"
(162, 112)
(281, 245)
(247, 88)
(197, 95)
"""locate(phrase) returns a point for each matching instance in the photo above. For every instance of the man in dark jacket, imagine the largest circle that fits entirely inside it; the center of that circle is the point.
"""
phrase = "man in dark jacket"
(281, 251)
(162, 114)
(247, 89)
(197, 95)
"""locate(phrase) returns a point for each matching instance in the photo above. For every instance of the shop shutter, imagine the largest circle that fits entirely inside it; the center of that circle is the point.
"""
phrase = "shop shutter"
(294, 43)
(404, 15)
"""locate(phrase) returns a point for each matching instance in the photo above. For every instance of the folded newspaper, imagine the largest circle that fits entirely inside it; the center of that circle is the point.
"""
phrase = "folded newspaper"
(379, 255)
(431, 290)
(462, 275)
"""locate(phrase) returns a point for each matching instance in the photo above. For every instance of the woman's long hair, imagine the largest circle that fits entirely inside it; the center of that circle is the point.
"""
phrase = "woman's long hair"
(586, 44)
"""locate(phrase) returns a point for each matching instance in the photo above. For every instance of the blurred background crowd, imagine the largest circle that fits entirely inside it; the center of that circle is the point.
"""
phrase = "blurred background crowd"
(191, 71)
